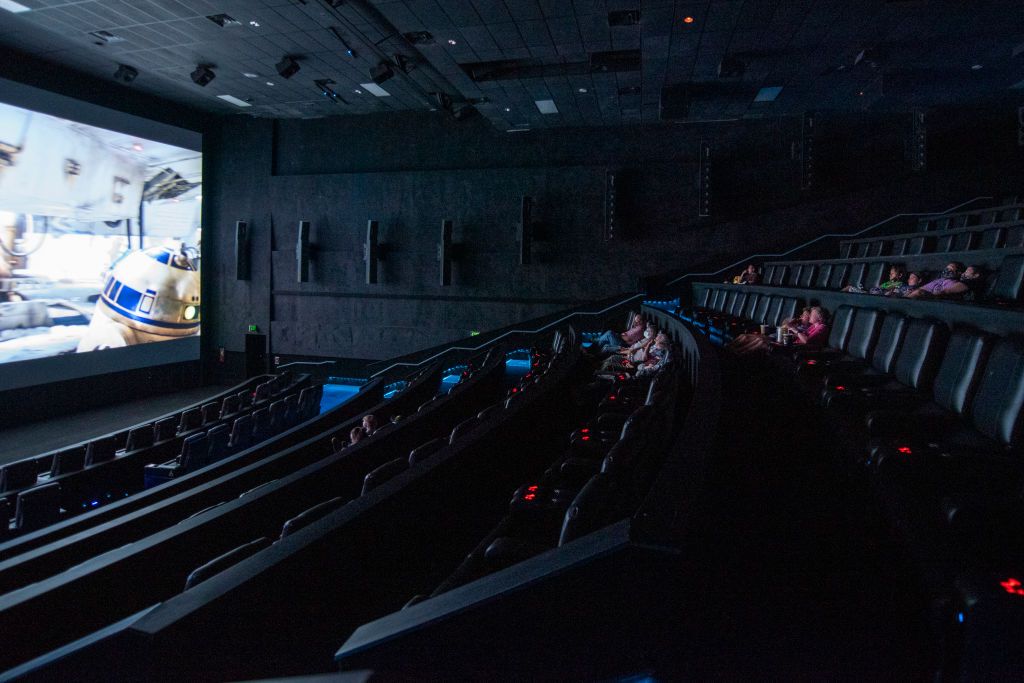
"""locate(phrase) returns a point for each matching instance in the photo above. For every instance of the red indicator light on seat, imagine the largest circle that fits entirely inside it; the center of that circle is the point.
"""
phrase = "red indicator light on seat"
(529, 496)
(611, 397)
(905, 450)
(515, 390)
(840, 388)
(532, 488)
(812, 362)
(585, 438)
(1012, 586)
(585, 430)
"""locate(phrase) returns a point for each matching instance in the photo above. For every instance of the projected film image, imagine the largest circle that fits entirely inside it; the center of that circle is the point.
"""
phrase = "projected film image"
(99, 238)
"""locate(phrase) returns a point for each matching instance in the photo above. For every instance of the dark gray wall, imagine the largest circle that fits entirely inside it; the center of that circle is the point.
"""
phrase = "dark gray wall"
(409, 171)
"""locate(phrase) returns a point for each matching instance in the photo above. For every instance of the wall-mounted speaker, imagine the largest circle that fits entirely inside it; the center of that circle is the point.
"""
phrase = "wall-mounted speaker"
(371, 251)
(704, 183)
(807, 130)
(918, 142)
(302, 252)
(241, 250)
(525, 230)
(444, 253)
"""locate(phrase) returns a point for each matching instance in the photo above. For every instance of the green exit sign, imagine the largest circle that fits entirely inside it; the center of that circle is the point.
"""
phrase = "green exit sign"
(474, 333)
(253, 328)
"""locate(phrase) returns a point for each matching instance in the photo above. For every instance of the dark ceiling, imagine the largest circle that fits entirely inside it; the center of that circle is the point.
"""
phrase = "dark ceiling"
(505, 55)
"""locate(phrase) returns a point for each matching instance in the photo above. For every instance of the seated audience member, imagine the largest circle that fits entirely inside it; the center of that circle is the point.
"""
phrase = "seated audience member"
(611, 341)
(974, 278)
(369, 424)
(801, 322)
(946, 285)
(355, 435)
(896, 278)
(913, 282)
(631, 356)
(816, 334)
(658, 356)
(749, 276)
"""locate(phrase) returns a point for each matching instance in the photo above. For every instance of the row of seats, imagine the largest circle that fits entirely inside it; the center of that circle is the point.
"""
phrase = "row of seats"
(914, 244)
(1003, 287)
(963, 219)
(610, 461)
(724, 312)
(204, 448)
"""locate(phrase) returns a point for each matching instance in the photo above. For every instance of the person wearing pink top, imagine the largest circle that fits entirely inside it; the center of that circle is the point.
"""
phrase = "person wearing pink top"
(816, 334)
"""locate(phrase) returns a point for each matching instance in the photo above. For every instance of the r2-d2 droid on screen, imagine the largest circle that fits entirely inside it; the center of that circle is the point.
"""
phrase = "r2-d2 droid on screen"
(149, 295)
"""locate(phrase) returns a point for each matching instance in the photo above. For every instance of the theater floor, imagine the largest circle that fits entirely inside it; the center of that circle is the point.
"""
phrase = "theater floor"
(45, 435)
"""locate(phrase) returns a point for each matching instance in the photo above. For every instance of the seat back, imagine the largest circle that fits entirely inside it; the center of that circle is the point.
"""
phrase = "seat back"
(919, 357)
(860, 250)
(210, 411)
(386, 472)
(262, 392)
(291, 411)
(787, 310)
(165, 429)
(100, 450)
(229, 406)
(877, 248)
(700, 301)
(761, 309)
(1014, 236)
(900, 247)
(68, 460)
(857, 271)
(960, 369)
(996, 408)
(772, 314)
(890, 339)
(308, 406)
(424, 451)
(875, 274)
(737, 306)
(462, 428)
(780, 274)
(591, 509)
(751, 304)
(992, 238)
(795, 273)
(964, 241)
(824, 274)
(838, 279)
(807, 275)
(244, 399)
(140, 437)
(304, 519)
(277, 412)
(18, 475)
(241, 433)
(190, 419)
(217, 439)
(730, 301)
(1010, 279)
(839, 333)
(38, 507)
(260, 425)
(222, 562)
(845, 248)
(194, 451)
(864, 332)
(768, 274)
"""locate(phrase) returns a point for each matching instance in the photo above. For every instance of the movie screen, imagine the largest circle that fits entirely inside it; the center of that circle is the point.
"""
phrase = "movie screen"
(100, 238)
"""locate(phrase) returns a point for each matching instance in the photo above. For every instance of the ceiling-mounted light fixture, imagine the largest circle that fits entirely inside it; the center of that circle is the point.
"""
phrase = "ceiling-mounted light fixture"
(287, 67)
(203, 74)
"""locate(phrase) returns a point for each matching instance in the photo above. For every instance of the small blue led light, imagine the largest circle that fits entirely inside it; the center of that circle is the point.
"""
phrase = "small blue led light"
(95, 503)
(960, 617)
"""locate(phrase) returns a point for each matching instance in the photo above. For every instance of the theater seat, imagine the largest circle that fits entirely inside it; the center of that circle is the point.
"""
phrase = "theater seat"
(385, 472)
(140, 437)
(505, 551)
(68, 460)
(424, 451)
(262, 392)
(314, 513)
(241, 433)
(277, 413)
(209, 412)
(244, 399)
(190, 419)
(229, 406)
(463, 428)
(165, 429)
(593, 508)
(38, 507)
(195, 450)
(217, 439)
(260, 425)
(18, 475)
(100, 450)
(291, 413)
(222, 562)
(1009, 280)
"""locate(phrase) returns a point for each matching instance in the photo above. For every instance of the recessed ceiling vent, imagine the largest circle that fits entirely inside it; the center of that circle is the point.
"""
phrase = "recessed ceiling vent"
(223, 20)
(105, 38)
(626, 17)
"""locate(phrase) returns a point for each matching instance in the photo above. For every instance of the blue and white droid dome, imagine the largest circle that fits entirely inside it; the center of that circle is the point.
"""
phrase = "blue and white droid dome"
(155, 291)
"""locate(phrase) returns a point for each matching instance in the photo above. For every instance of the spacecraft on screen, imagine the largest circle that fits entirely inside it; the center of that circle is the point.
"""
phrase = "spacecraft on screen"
(149, 295)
